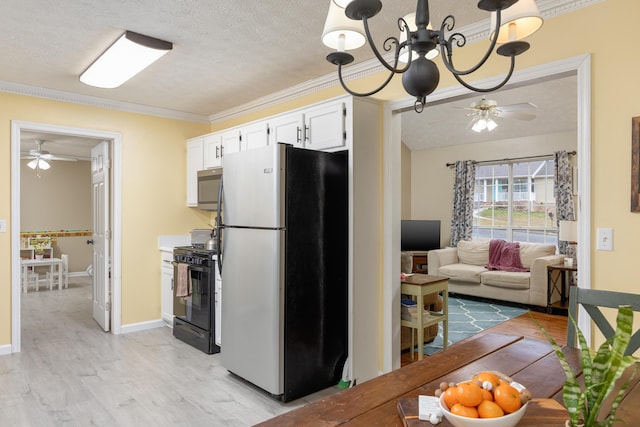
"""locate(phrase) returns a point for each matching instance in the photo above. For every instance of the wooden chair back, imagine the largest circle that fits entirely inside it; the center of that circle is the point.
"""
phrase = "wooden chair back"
(591, 300)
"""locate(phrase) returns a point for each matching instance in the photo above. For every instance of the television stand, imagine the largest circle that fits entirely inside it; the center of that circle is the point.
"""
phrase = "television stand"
(419, 262)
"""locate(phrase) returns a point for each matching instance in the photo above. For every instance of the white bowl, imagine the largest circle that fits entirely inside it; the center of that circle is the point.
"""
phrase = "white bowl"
(508, 420)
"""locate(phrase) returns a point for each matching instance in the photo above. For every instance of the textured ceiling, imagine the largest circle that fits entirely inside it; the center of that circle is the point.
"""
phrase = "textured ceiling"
(226, 53)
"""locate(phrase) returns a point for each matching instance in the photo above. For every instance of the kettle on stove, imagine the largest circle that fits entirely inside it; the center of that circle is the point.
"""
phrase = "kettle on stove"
(210, 244)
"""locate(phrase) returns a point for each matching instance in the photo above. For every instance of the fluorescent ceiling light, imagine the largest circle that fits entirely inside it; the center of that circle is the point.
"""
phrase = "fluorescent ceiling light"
(125, 58)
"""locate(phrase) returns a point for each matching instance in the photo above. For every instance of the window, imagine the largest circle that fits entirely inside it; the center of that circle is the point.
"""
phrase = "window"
(515, 202)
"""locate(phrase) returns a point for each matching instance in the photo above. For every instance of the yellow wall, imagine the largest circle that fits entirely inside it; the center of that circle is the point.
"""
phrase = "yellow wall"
(153, 193)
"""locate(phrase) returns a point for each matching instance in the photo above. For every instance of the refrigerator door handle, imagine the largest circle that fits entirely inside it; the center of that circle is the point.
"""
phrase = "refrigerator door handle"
(219, 226)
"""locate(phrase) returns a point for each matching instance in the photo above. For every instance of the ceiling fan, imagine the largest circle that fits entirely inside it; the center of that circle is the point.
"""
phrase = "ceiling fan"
(40, 158)
(484, 111)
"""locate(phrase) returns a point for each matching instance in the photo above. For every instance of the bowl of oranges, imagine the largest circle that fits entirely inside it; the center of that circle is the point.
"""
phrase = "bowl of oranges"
(489, 399)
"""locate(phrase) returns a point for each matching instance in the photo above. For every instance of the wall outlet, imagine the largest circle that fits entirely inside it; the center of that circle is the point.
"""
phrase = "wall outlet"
(605, 239)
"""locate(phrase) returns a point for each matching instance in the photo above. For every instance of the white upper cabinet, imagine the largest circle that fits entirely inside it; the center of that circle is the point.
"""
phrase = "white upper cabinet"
(230, 141)
(212, 149)
(325, 126)
(194, 164)
(287, 128)
(254, 136)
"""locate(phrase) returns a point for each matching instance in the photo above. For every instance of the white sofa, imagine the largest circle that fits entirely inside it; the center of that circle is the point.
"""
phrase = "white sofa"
(465, 268)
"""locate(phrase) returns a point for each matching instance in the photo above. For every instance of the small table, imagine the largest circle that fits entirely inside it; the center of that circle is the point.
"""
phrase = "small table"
(51, 262)
(552, 284)
(419, 285)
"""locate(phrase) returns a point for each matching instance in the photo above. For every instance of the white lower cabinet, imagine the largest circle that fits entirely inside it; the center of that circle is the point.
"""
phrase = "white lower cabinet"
(166, 281)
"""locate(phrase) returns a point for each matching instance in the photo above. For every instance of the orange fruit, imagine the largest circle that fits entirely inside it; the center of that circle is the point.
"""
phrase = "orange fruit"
(507, 397)
(488, 409)
(469, 394)
(488, 376)
(451, 397)
(464, 411)
(487, 395)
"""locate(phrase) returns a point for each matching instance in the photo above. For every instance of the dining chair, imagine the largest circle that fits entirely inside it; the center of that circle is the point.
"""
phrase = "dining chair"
(591, 300)
(65, 270)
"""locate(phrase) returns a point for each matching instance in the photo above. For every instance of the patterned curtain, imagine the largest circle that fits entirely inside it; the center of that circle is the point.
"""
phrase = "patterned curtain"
(564, 195)
(462, 215)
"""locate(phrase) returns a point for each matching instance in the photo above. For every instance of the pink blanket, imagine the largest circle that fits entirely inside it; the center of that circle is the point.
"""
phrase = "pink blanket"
(505, 256)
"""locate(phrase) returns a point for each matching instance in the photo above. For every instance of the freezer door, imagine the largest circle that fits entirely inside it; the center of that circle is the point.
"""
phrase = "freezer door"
(254, 187)
(252, 315)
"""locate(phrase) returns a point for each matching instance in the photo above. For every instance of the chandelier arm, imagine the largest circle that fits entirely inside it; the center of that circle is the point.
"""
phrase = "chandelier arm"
(373, 92)
(387, 46)
(498, 86)
(447, 50)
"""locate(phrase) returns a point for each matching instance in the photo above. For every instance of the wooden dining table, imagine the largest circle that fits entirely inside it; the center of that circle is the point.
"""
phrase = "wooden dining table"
(530, 362)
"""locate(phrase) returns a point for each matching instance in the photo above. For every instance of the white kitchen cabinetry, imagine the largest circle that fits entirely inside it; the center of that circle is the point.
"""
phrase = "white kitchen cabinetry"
(194, 164)
(212, 151)
(325, 126)
(254, 136)
(287, 128)
(166, 303)
(230, 141)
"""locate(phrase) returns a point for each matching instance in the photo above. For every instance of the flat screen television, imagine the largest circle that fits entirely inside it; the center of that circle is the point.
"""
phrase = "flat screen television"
(419, 235)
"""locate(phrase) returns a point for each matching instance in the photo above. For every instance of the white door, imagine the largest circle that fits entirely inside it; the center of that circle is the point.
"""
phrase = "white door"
(288, 129)
(325, 126)
(254, 136)
(100, 163)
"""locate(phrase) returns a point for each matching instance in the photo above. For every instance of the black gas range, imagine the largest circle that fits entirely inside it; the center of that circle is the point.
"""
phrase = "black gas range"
(194, 271)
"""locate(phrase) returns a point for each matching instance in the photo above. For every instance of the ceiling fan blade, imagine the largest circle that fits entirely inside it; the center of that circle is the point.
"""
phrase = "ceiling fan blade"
(63, 158)
(518, 107)
(516, 115)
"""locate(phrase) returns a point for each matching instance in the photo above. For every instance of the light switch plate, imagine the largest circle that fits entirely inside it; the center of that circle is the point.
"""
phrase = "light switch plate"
(3, 225)
(605, 239)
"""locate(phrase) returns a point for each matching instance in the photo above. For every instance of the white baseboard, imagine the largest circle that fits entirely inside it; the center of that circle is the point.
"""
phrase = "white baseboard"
(142, 326)
(5, 349)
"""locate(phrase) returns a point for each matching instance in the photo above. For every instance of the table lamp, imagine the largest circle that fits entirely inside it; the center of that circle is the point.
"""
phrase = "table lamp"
(568, 231)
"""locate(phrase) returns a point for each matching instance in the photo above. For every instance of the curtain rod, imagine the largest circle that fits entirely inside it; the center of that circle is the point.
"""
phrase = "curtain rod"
(572, 153)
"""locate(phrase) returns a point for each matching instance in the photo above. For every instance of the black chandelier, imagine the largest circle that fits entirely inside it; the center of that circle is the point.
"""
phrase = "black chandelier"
(418, 43)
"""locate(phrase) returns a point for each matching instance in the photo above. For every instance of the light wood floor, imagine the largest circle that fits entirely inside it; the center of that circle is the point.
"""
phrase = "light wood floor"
(71, 373)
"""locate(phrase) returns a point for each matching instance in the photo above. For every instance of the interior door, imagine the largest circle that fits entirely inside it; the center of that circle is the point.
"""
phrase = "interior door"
(100, 237)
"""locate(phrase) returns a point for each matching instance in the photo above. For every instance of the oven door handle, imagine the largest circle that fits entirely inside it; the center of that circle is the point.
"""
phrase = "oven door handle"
(192, 267)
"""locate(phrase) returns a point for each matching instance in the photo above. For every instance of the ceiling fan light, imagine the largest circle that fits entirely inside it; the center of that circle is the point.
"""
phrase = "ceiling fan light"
(518, 21)
(33, 163)
(43, 164)
(410, 19)
(341, 33)
(491, 125)
(125, 58)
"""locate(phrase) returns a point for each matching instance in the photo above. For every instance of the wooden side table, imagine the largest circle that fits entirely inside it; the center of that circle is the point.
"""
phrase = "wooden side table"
(553, 285)
(417, 286)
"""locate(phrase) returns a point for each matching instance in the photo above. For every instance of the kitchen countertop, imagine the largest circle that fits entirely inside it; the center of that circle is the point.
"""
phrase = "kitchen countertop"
(167, 243)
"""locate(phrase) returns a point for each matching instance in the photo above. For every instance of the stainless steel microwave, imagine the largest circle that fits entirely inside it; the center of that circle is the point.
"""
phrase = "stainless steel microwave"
(208, 186)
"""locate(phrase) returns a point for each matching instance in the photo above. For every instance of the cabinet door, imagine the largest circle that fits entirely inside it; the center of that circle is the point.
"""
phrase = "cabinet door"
(254, 136)
(194, 164)
(325, 126)
(287, 128)
(212, 151)
(230, 142)
(166, 283)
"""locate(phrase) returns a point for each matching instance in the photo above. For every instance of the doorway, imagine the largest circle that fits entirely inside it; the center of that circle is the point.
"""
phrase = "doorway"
(114, 141)
(578, 66)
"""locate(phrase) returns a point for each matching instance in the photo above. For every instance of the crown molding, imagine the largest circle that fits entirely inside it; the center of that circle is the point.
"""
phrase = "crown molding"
(474, 32)
(94, 101)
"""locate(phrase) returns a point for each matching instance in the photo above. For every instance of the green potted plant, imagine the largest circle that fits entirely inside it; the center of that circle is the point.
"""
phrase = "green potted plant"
(600, 371)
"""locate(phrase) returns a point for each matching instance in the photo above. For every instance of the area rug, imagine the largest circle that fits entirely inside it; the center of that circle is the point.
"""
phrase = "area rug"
(468, 317)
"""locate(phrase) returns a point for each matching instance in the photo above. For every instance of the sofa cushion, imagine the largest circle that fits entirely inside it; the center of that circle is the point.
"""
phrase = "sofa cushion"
(506, 279)
(463, 272)
(531, 251)
(473, 252)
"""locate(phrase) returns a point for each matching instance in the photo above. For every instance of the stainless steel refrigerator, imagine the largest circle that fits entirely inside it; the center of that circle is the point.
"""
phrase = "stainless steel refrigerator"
(284, 267)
